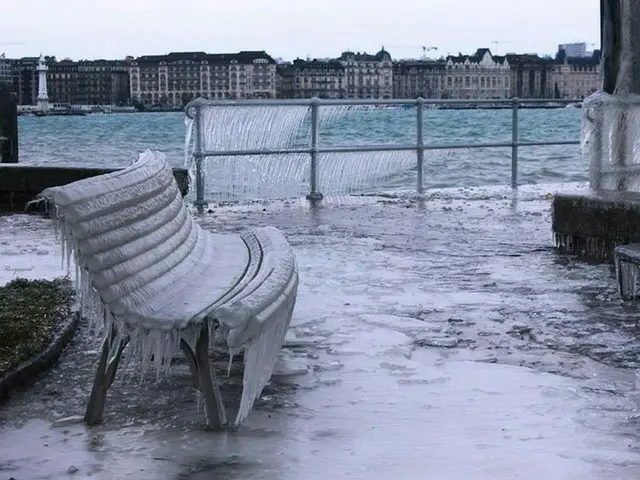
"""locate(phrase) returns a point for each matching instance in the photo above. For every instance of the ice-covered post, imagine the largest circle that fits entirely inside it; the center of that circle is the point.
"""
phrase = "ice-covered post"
(515, 103)
(200, 202)
(620, 50)
(420, 142)
(314, 194)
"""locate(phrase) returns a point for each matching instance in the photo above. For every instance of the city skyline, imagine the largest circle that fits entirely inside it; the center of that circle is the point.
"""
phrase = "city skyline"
(120, 28)
(171, 81)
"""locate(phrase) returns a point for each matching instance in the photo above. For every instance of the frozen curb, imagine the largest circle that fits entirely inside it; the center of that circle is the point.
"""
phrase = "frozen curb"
(27, 372)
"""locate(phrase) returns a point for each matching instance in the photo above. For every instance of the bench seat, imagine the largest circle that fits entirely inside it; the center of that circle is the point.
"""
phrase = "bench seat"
(162, 284)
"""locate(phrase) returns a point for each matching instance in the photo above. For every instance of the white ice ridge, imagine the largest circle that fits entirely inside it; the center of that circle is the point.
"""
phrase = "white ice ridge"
(148, 271)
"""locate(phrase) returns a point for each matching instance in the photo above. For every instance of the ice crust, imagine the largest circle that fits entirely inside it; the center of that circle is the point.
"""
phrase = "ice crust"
(147, 270)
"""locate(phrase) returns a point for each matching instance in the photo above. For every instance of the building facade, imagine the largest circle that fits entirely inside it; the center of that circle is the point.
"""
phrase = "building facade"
(6, 77)
(89, 82)
(418, 78)
(530, 76)
(352, 75)
(576, 77)
(368, 76)
(575, 50)
(175, 79)
(311, 78)
(478, 76)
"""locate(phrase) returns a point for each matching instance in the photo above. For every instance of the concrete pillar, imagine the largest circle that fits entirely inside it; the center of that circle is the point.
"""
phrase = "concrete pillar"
(8, 126)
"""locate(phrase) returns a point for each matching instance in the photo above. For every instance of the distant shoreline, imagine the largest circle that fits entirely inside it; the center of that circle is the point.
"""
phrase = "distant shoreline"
(428, 106)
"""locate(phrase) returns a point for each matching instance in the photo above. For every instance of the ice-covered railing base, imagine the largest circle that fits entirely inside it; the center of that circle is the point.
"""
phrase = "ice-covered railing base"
(154, 283)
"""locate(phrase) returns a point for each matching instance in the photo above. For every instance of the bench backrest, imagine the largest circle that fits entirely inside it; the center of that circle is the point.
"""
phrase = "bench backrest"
(128, 227)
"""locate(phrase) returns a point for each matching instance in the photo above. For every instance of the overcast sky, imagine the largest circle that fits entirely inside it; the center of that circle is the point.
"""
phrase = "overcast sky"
(86, 29)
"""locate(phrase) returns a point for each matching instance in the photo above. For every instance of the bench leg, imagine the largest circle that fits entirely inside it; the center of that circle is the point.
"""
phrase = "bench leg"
(204, 377)
(104, 378)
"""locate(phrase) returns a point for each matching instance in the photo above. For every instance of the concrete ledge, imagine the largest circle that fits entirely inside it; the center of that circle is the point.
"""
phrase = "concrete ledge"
(592, 225)
(20, 183)
(27, 372)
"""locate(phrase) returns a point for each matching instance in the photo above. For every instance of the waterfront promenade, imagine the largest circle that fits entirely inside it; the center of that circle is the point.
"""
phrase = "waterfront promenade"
(440, 338)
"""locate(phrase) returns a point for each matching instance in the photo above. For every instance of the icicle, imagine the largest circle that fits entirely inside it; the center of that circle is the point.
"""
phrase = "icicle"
(56, 222)
(69, 250)
(260, 358)
(634, 285)
(63, 244)
(230, 363)
(199, 401)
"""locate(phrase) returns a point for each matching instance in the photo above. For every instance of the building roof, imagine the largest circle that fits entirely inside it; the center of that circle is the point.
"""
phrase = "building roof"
(240, 57)
(381, 56)
(402, 66)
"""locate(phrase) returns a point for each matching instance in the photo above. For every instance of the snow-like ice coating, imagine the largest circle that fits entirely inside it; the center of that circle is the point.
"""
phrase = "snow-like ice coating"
(146, 270)
(610, 133)
(611, 117)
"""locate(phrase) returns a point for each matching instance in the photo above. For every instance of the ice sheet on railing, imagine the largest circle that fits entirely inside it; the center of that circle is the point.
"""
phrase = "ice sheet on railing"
(251, 127)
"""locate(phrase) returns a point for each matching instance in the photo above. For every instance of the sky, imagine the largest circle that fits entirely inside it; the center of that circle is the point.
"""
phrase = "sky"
(288, 29)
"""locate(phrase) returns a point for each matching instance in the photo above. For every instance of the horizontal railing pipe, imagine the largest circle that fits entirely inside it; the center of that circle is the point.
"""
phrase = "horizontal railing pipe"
(378, 148)
(307, 102)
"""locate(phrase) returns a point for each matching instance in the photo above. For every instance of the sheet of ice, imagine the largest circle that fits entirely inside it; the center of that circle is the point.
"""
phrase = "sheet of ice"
(540, 383)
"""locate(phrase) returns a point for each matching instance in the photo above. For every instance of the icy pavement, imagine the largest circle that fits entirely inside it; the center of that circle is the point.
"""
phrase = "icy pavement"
(439, 339)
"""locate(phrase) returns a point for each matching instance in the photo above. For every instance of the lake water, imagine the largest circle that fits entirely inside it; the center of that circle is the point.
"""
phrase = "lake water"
(117, 139)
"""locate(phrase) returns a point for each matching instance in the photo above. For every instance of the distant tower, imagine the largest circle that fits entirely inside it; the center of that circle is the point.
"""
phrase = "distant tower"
(43, 98)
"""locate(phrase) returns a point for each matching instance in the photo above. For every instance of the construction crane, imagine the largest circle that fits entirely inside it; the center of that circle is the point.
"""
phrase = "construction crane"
(495, 45)
(424, 49)
(427, 49)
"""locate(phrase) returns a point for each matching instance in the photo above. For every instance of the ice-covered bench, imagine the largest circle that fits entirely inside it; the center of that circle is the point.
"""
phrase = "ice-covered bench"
(162, 284)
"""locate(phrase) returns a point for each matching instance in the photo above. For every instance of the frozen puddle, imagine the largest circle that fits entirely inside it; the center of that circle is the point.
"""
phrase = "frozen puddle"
(387, 417)
(416, 353)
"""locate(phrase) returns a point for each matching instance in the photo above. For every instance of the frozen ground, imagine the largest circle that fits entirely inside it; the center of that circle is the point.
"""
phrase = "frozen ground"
(436, 339)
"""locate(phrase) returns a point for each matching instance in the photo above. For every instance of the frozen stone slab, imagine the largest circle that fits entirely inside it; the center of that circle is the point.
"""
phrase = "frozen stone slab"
(154, 282)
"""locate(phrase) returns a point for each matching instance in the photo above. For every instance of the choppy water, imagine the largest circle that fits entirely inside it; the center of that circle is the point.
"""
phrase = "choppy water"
(117, 139)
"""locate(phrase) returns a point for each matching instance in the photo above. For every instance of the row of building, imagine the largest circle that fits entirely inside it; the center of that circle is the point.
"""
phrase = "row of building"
(172, 80)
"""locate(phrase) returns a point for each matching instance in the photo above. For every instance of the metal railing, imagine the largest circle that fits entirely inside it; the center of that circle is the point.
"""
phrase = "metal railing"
(193, 111)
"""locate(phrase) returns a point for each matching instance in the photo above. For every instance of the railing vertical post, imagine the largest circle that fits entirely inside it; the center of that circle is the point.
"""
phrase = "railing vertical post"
(314, 194)
(420, 142)
(514, 142)
(200, 202)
